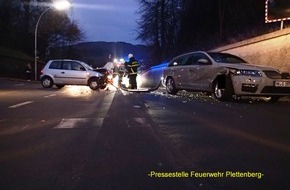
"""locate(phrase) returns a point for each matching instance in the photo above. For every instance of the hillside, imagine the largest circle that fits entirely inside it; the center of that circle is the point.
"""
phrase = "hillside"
(97, 53)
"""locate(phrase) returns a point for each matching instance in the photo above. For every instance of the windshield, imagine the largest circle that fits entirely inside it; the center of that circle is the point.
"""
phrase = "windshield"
(87, 66)
(226, 58)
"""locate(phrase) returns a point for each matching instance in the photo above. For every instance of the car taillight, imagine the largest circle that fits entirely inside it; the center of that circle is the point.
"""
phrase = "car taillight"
(41, 72)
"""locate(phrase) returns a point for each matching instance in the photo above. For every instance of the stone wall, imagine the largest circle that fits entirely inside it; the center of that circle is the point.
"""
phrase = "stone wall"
(271, 49)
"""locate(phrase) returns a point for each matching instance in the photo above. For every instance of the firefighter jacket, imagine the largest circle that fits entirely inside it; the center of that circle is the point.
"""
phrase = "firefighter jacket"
(132, 66)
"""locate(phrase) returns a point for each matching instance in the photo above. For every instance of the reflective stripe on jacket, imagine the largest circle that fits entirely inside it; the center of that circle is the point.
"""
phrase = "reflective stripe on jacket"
(132, 66)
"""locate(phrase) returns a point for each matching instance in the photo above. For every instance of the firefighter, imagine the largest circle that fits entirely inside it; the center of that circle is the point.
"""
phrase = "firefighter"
(132, 67)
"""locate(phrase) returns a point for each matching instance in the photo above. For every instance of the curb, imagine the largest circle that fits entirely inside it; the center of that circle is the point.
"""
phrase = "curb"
(20, 80)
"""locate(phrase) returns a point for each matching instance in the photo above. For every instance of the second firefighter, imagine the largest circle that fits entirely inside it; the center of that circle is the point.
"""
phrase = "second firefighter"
(132, 69)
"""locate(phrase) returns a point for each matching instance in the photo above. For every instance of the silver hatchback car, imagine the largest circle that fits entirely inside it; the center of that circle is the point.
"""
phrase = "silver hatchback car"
(224, 75)
(69, 72)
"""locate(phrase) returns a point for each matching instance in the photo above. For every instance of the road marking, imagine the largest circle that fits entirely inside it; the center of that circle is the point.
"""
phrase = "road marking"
(21, 104)
(69, 123)
(19, 84)
(51, 95)
(138, 122)
(25, 127)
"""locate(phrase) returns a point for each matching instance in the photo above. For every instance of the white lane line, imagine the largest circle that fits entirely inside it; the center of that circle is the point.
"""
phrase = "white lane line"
(21, 104)
(138, 122)
(69, 123)
(51, 95)
(25, 127)
(19, 84)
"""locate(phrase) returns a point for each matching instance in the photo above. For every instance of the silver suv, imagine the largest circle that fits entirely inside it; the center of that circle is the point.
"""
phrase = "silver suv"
(224, 75)
(69, 72)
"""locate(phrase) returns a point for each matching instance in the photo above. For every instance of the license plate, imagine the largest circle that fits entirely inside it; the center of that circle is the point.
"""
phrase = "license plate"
(282, 84)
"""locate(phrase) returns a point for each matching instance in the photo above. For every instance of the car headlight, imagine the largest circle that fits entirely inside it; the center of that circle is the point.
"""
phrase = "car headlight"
(252, 73)
(110, 77)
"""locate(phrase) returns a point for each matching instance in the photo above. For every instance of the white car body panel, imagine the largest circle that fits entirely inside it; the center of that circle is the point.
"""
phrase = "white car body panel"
(200, 76)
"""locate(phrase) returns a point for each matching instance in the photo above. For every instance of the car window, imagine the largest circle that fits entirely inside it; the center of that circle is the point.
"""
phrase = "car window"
(184, 60)
(175, 61)
(226, 58)
(55, 65)
(87, 66)
(193, 58)
(77, 67)
(66, 65)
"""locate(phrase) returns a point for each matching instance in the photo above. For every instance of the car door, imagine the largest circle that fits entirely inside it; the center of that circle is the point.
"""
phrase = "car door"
(179, 71)
(74, 73)
(173, 70)
(199, 73)
(57, 72)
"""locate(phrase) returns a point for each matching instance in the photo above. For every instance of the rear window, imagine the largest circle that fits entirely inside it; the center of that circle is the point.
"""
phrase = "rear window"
(55, 65)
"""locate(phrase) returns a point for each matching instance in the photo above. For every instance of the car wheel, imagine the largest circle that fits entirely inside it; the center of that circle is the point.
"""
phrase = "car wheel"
(223, 89)
(102, 83)
(170, 86)
(46, 82)
(93, 84)
(59, 86)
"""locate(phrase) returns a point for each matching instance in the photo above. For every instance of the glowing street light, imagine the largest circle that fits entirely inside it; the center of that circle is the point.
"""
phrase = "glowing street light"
(58, 5)
(62, 5)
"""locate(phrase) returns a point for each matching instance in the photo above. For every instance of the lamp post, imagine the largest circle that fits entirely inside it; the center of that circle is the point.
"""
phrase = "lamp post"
(58, 5)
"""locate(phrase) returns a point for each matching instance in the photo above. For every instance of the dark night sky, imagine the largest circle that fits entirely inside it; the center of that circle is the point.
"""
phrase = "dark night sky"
(106, 20)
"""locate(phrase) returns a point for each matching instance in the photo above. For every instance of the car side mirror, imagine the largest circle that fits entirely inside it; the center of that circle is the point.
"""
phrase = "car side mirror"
(174, 64)
(203, 62)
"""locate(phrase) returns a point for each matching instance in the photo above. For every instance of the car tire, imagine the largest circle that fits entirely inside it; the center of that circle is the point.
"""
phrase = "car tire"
(170, 86)
(223, 89)
(102, 83)
(94, 84)
(46, 82)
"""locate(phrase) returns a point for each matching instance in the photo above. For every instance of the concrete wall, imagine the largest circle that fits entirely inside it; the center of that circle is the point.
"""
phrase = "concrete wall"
(271, 49)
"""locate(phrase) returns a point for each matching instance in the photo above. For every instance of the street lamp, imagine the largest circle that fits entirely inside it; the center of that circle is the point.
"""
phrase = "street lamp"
(58, 5)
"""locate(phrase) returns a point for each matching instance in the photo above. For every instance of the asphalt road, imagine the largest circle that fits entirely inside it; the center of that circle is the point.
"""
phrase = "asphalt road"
(75, 138)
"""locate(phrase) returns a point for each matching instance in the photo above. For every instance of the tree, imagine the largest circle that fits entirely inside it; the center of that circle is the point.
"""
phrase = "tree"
(158, 25)
(9, 25)
(18, 20)
(175, 26)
